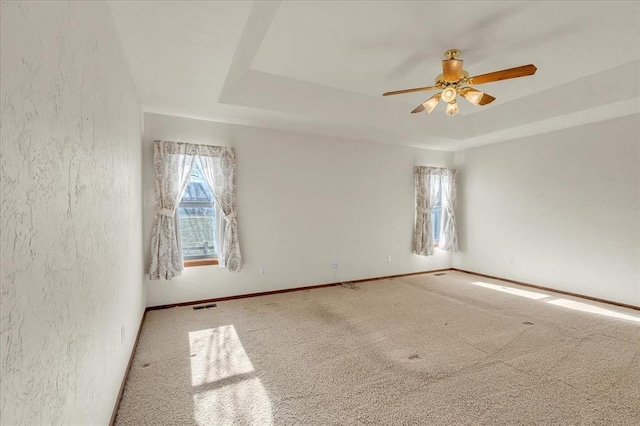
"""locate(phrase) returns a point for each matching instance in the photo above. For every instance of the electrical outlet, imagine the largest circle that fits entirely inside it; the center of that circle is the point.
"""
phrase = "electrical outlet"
(334, 264)
(262, 270)
(512, 261)
(122, 335)
(389, 259)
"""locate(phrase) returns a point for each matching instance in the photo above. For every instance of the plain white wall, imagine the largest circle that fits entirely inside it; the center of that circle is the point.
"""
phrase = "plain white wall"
(303, 201)
(71, 258)
(561, 210)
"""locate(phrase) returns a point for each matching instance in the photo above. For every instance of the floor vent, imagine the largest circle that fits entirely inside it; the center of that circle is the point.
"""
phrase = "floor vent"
(211, 305)
(437, 275)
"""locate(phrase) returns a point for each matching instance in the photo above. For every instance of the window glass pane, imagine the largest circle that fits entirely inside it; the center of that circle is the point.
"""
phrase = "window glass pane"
(198, 188)
(196, 217)
(197, 191)
(197, 231)
(436, 215)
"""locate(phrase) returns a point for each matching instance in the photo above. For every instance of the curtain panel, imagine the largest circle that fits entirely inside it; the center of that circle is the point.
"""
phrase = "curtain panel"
(422, 236)
(219, 167)
(426, 193)
(172, 163)
(448, 234)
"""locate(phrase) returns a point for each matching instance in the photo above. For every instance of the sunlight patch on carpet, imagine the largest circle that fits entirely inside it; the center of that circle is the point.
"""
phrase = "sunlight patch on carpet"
(245, 402)
(584, 307)
(217, 354)
(515, 291)
(227, 389)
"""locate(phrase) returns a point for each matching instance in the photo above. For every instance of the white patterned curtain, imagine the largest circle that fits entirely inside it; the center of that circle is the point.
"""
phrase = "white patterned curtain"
(425, 197)
(172, 163)
(219, 169)
(448, 236)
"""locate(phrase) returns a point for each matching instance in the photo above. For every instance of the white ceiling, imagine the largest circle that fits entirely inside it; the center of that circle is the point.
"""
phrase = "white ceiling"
(321, 67)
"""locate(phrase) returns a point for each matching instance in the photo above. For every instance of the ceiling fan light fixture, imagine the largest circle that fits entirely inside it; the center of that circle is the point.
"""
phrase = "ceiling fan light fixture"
(452, 108)
(472, 95)
(431, 103)
(449, 94)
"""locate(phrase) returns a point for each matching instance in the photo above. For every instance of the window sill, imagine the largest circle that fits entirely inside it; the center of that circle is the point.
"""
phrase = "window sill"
(200, 262)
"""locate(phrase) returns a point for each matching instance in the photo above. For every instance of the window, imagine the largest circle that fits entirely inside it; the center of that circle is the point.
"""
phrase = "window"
(197, 221)
(435, 193)
(436, 211)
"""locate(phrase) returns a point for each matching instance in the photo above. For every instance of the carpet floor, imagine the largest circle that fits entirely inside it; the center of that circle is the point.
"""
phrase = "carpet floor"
(452, 349)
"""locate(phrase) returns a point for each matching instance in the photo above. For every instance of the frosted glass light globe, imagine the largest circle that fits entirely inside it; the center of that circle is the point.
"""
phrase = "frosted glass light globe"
(449, 94)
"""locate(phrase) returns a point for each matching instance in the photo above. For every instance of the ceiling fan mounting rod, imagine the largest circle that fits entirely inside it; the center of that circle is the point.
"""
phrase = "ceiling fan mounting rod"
(451, 54)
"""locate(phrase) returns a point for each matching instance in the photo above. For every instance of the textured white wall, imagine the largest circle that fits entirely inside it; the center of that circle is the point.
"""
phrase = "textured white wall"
(303, 201)
(561, 210)
(71, 213)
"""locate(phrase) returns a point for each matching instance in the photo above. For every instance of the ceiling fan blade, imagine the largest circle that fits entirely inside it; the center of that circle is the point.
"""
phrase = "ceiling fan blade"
(486, 99)
(417, 89)
(452, 70)
(503, 75)
(419, 108)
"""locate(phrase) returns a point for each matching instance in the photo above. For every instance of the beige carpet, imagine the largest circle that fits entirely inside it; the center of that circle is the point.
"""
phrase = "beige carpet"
(445, 350)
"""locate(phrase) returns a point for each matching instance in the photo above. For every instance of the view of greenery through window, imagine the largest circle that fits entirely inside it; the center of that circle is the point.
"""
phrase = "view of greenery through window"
(196, 215)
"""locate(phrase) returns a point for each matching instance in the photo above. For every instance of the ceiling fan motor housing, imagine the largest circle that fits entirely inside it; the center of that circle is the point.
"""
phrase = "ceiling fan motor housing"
(452, 70)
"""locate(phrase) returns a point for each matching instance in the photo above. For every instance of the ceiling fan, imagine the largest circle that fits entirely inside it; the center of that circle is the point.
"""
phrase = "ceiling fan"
(455, 81)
